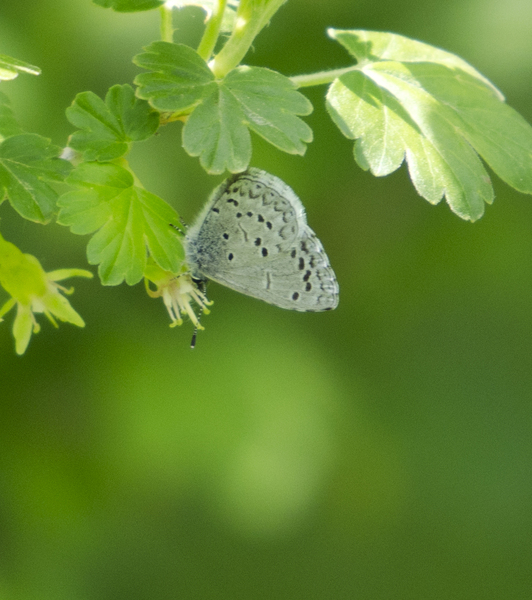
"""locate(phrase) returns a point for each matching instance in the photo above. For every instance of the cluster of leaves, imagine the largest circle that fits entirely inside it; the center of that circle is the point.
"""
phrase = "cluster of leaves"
(402, 99)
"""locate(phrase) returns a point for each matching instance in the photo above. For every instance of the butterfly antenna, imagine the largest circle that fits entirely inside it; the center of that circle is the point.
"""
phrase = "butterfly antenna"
(193, 340)
(195, 335)
(201, 285)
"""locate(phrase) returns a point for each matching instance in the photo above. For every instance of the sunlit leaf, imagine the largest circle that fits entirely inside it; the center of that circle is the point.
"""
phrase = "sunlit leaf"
(408, 99)
(11, 67)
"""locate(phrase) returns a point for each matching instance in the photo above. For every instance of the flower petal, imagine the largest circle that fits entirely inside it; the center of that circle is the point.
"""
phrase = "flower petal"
(60, 307)
(60, 274)
(23, 327)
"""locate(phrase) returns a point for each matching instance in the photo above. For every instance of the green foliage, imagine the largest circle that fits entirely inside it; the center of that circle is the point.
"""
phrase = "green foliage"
(28, 164)
(410, 99)
(402, 99)
(223, 111)
(178, 79)
(127, 218)
(108, 128)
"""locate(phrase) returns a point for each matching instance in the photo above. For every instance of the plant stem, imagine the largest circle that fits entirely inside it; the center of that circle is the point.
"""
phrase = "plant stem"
(212, 31)
(251, 17)
(167, 28)
(322, 77)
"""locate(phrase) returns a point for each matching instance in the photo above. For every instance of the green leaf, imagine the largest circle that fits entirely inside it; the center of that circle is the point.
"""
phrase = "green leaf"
(108, 128)
(129, 5)
(223, 111)
(11, 67)
(178, 79)
(128, 220)
(27, 162)
(410, 99)
(8, 123)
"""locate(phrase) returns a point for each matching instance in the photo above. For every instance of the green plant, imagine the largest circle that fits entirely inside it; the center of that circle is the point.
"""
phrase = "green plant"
(401, 99)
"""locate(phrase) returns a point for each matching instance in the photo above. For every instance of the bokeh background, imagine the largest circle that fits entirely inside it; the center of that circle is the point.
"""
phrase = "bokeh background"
(381, 451)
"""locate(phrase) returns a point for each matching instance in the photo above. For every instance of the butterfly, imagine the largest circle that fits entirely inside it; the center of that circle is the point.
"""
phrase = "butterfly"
(252, 236)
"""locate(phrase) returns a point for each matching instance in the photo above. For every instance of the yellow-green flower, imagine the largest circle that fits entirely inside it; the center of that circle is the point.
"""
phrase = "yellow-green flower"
(177, 292)
(33, 290)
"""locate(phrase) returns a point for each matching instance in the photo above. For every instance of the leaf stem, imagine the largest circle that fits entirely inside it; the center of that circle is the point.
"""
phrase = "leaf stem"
(167, 28)
(212, 30)
(322, 77)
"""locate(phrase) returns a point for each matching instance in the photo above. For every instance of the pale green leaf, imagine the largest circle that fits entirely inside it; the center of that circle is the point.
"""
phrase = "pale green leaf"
(11, 67)
(408, 99)
(129, 222)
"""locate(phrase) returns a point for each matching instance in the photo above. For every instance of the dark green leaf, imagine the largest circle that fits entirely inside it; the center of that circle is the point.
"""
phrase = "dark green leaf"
(178, 79)
(409, 99)
(129, 5)
(129, 222)
(108, 128)
(27, 162)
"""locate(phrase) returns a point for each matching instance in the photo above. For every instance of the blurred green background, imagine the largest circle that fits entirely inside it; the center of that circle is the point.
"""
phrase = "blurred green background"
(381, 451)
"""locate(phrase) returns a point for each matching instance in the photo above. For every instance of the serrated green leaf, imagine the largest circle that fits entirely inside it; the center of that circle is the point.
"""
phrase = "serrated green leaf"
(178, 77)
(248, 98)
(128, 220)
(10, 68)
(216, 133)
(129, 5)
(375, 46)
(8, 124)
(270, 103)
(441, 115)
(223, 111)
(108, 128)
(27, 163)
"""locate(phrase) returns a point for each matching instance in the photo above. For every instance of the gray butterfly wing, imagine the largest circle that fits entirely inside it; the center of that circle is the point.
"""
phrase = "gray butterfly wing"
(253, 237)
